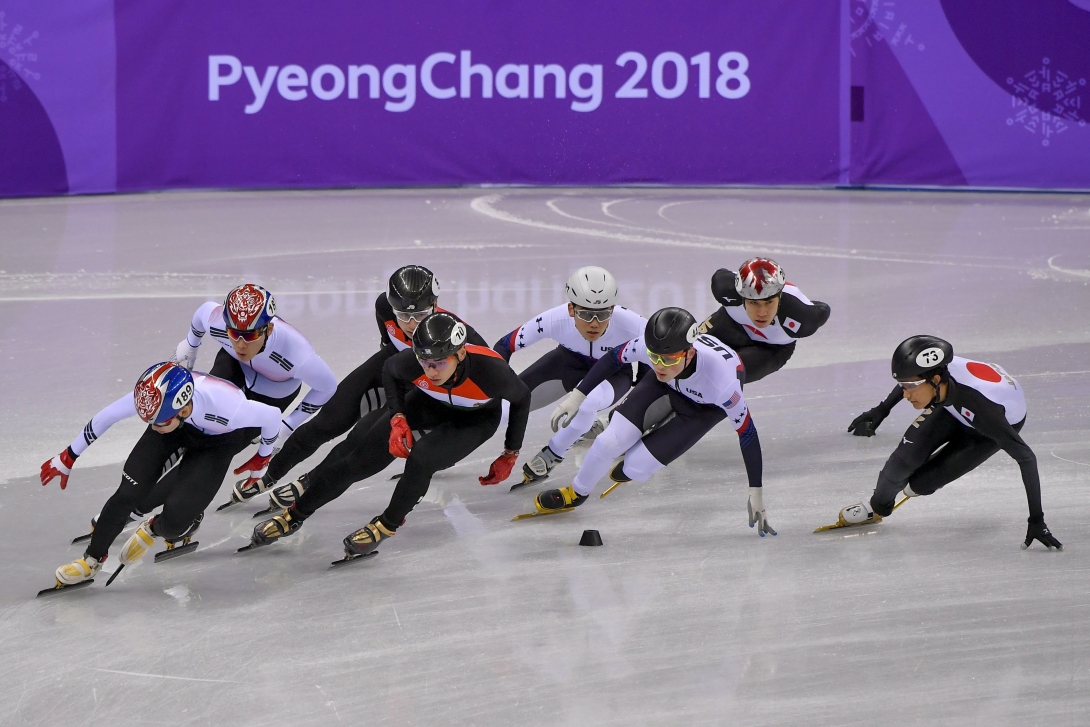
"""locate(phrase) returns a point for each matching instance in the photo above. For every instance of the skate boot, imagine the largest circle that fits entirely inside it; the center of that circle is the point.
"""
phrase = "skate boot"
(552, 501)
(181, 544)
(276, 527)
(854, 516)
(285, 496)
(138, 544)
(78, 571)
(366, 539)
(600, 423)
(242, 491)
(540, 466)
(618, 476)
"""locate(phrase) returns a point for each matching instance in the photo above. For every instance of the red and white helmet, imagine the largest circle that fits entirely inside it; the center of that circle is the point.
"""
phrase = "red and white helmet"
(760, 278)
(248, 307)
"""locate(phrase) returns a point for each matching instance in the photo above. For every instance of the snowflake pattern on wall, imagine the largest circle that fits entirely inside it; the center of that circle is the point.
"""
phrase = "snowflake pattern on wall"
(1046, 102)
(16, 51)
(875, 21)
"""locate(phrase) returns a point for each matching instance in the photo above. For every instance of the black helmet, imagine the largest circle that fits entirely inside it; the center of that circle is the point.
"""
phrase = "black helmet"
(921, 356)
(438, 336)
(670, 330)
(412, 288)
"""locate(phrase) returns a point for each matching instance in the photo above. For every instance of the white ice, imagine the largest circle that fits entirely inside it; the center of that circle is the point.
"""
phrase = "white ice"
(685, 616)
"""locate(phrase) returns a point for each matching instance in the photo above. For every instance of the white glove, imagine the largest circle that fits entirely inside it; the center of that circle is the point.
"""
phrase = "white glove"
(185, 355)
(757, 515)
(564, 411)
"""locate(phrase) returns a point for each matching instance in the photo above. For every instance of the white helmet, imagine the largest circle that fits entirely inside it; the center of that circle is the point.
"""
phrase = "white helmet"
(592, 287)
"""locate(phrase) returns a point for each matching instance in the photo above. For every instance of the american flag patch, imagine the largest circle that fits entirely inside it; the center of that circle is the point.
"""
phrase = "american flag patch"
(733, 401)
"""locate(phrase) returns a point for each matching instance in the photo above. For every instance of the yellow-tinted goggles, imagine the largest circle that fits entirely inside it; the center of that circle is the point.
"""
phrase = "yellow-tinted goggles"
(666, 359)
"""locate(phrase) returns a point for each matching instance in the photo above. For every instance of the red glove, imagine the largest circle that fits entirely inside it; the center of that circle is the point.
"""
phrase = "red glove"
(500, 470)
(401, 436)
(256, 466)
(59, 466)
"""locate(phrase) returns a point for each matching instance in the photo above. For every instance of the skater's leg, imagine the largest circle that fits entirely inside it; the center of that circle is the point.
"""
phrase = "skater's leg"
(199, 477)
(552, 376)
(761, 360)
(966, 451)
(139, 475)
(624, 430)
(601, 397)
(933, 428)
(228, 368)
(370, 455)
(444, 446)
(673, 439)
(359, 391)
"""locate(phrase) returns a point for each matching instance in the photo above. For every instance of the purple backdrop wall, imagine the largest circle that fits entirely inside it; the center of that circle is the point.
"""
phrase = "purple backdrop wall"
(118, 95)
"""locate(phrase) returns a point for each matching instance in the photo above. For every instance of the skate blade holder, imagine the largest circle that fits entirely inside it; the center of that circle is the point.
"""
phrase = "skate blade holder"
(352, 559)
(63, 589)
(176, 551)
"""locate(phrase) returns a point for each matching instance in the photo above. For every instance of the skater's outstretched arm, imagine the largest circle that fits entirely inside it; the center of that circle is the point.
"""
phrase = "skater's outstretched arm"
(315, 373)
(61, 465)
(866, 423)
(534, 330)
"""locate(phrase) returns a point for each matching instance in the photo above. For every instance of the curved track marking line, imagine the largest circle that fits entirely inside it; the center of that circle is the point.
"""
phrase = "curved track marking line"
(1065, 459)
(485, 205)
(607, 205)
(666, 206)
(1068, 271)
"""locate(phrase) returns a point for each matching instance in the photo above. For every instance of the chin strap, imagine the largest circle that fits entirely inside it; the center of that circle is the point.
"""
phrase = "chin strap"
(944, 378)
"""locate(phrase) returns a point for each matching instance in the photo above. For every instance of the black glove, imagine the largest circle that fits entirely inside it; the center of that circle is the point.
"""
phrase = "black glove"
(865, 424)
(1039, 531)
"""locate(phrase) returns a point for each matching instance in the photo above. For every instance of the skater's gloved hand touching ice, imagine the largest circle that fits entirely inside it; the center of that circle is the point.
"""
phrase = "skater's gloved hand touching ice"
(757, 514)
(1039, 531)
(59, 466)
(401, 436)
(865, 424)
(564, 411)
(256, 466)
(500, 470)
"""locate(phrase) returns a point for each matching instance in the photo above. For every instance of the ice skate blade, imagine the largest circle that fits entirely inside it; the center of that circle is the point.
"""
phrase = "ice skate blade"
(837, 526)
(525, 481)
(115, 574)
(267, 511)
(352, 559)
(251, 546)
(226, 505)
(610, 489)
(63, 589)
(541, 514)
(396, 477)
(82, 539)
(176, 552)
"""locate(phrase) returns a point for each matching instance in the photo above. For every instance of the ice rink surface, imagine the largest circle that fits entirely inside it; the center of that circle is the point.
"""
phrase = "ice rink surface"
(685, 616)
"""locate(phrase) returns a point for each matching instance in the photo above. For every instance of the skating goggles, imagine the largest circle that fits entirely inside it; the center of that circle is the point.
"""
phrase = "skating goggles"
(404, 316)
(910, 385)
(248, 336)
(666, 359)
(434, 364)
(589, 314)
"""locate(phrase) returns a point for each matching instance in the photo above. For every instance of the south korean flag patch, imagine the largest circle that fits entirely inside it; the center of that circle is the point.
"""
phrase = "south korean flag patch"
(791, 324)
(967, 414)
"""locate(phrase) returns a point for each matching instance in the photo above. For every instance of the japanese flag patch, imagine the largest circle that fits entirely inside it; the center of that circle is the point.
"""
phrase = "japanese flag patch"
(967, 414)
(791, 324)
